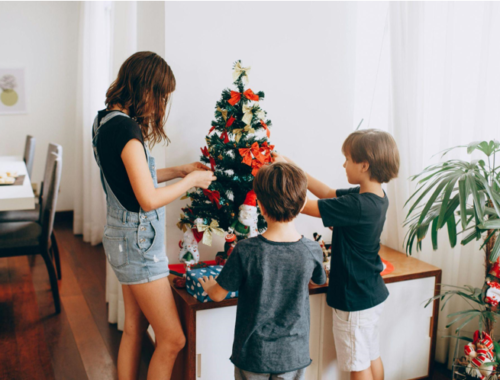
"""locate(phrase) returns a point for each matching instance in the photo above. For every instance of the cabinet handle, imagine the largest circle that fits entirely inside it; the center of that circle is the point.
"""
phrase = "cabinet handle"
(431, 327)
(198, 365)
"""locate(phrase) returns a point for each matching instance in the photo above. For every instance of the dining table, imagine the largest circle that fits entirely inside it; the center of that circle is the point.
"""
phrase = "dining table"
(19, 195)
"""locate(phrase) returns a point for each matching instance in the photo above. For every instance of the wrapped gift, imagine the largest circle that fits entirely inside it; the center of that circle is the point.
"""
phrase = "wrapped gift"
(194, 287)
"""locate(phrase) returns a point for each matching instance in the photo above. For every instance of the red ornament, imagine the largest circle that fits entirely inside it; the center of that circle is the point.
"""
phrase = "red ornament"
(224, 136)
(213, 196)
(219, 261)
(264, 125)
(230, 121)
(197, 234)
(204, 151)
(180, 282)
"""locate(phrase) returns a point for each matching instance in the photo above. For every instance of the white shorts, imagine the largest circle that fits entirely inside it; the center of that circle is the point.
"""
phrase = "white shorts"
(356, 336)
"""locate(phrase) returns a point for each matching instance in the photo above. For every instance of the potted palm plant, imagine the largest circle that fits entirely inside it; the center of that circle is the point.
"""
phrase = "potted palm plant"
(463, 197)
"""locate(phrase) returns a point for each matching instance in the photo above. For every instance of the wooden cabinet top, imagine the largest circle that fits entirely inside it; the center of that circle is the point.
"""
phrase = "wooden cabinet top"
(405, 268)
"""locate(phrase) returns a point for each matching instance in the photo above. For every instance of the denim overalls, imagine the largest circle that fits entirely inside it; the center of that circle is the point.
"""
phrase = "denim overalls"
(134, 242)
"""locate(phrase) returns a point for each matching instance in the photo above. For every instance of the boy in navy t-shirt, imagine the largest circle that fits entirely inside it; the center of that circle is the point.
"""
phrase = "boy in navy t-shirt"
(356, 290)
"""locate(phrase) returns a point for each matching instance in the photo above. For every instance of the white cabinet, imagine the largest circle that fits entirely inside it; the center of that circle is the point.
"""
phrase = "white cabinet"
(407, 329)
(405, 336)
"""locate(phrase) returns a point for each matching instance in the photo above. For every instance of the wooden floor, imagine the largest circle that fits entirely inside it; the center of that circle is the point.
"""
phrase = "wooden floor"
(77, 344)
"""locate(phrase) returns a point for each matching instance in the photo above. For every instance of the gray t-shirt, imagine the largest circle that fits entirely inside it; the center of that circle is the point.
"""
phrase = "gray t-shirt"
(272, 318)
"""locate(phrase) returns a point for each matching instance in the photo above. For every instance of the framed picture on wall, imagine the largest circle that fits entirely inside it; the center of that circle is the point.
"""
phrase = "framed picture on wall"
(12, 91)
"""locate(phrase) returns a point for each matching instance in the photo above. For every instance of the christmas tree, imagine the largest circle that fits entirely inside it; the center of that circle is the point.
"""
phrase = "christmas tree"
(237, 146)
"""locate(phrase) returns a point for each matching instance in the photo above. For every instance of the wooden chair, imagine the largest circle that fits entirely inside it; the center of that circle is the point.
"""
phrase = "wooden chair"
(29, 153)
(33, 238)
(35, 215)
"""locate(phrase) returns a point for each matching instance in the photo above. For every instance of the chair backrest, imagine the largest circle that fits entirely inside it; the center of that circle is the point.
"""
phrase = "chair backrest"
(53, 148)
(49, 204)
(53, 152)
(29, 153)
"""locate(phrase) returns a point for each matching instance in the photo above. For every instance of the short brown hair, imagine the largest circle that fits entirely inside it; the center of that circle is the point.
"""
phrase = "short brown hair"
(143, 87)
(376, 147)
(281, 188)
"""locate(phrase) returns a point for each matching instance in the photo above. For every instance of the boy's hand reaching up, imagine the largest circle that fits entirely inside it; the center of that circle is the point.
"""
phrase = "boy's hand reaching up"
(216, 292)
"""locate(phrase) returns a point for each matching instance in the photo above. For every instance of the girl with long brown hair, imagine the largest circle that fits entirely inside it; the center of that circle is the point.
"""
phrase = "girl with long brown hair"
(134, 236)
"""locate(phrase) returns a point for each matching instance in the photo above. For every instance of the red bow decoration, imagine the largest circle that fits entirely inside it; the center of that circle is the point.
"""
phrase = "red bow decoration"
(211, 129)
(247, 153)
(264, 125)
(236, 96)
(213, 196)
(266, 150)
(256, 165)
(204, 151)
(230, 121)
(251, 96)
(224, 136)
(212, 163)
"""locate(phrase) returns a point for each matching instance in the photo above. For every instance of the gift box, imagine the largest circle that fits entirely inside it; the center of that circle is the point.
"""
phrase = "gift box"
(194, 287)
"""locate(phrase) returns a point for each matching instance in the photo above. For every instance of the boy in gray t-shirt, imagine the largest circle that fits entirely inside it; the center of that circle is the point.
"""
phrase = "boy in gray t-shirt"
(272, 273)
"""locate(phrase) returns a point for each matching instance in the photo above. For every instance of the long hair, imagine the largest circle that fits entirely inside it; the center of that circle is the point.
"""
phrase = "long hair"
(144, 85)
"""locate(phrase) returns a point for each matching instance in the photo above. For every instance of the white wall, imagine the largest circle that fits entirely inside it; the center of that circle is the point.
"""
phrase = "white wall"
(43, 37)
(302, 57)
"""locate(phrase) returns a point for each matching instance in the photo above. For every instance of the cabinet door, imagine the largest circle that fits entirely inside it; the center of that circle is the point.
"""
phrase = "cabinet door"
(214, 343)
(317, 304)
(405, 329)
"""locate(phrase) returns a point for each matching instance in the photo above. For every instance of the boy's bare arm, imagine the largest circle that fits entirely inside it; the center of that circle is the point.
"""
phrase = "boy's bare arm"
(315, 186)
(216, 292)
(318, 188)
(311, 208)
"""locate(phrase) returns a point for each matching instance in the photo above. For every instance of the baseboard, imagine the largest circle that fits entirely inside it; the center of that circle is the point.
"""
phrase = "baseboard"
(64, 217)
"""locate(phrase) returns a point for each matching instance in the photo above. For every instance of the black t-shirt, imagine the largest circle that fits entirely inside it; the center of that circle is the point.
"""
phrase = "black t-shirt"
(272, 319)
(113, 136)
(357, 221)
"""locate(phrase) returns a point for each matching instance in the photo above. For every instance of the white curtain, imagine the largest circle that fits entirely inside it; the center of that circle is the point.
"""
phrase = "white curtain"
(443, 91)
(94, 69)
(107, 37)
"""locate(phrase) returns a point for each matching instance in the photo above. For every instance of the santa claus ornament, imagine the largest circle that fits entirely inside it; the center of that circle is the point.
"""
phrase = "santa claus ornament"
(246, 224)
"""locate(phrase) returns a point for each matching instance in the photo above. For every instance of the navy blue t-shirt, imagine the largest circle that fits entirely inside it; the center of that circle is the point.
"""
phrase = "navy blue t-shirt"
(357, 221)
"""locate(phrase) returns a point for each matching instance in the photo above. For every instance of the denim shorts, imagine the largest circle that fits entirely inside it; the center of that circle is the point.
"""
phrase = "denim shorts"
(357, 338)
(134, 244)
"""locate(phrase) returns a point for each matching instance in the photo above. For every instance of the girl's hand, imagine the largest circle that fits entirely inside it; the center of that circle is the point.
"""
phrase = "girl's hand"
(201, 178)
(189, 168)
